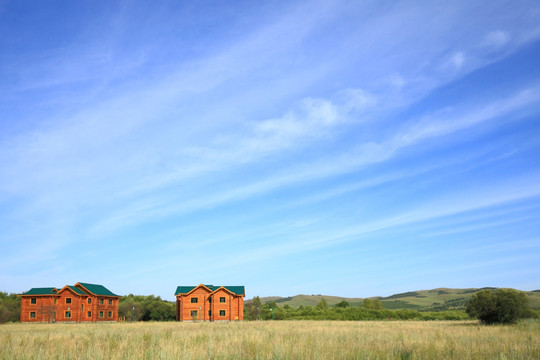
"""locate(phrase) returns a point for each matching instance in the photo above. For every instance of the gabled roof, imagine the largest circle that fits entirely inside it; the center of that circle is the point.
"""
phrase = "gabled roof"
(96, 289)
(237, 290)
(41, 291)
(76, 290)
(183, 289)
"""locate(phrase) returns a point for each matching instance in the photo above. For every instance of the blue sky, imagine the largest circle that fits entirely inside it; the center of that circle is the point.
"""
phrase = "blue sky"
(318, 147)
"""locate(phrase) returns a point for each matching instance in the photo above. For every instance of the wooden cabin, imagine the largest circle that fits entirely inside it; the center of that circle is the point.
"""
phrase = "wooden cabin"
(209, 303)
(81, 302)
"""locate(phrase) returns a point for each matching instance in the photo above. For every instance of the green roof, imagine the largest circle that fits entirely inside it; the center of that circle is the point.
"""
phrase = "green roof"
(76, 290)
(184, 289)
(97, 289)
(41, 291)
(238, 290)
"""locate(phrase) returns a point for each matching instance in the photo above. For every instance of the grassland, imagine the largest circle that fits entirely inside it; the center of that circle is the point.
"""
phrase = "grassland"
(272, 340)
(422, 300)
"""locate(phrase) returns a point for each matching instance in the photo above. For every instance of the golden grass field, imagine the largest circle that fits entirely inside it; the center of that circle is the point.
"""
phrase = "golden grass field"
(272, 340)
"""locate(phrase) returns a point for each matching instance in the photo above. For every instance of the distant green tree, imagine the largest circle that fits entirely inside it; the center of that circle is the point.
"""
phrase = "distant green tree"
(368, 304)
(252, 309)
(323, 305)
(342, 304)
(10, 307)
(503, 306)
(146, 308)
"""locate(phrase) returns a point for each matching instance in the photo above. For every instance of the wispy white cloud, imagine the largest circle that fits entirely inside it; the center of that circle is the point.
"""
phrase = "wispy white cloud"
(428, 128)
(497, 39)
(122, 135)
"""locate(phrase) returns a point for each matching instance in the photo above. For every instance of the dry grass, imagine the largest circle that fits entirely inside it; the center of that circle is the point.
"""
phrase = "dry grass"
(271, 340)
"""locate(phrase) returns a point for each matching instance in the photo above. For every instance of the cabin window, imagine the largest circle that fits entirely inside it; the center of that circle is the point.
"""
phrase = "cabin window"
(89, 300)
(32, 300)
(68, 314)
(109, 314)
(194, 300)
(68, 300)
(101, 301)
(194, 313)
(101, 314)
(32, 315)
(110, 301)
(221, 312)
(222, 299)
(88, 314)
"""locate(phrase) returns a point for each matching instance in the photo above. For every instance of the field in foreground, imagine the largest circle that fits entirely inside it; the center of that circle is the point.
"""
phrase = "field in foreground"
(272, 340)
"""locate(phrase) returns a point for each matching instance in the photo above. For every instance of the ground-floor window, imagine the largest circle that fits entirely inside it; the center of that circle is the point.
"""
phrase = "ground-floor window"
(101, 314)
(68, 314)
(193, 313)
(88, 314)
(221, 312)
(32, 315)
(109, 314)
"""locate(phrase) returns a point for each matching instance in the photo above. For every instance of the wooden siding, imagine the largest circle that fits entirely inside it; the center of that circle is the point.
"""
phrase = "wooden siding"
(209, 306)
(43, 309)
(53, 308)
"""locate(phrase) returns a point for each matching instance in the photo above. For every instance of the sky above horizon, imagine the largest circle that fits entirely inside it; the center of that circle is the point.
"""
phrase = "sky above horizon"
(294, 147)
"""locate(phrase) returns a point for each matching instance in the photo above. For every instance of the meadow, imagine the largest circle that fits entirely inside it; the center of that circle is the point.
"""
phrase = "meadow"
(272, 340)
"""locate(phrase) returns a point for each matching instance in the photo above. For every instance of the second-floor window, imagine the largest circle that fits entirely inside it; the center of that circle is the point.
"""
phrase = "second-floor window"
(89, 300)
(110, 301)
(32, 300)
(221, 299)
(194, 300)
(68, 300)
(101, 301)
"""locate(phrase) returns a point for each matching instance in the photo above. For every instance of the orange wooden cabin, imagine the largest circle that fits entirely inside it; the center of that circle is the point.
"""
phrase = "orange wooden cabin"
(79, 303)
(209, 303)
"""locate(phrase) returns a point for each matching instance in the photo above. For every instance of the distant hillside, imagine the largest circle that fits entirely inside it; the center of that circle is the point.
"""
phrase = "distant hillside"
(423, 300)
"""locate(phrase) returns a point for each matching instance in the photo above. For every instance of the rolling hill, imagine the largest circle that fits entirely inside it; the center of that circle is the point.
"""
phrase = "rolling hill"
(422, 300)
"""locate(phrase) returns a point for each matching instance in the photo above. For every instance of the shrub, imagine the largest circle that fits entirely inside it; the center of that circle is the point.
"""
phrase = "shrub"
(503, 306)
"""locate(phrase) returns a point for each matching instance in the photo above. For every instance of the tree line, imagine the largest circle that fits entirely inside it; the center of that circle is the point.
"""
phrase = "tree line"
(10, 307)
(369, 310)
(488, 306)
(146, 308)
